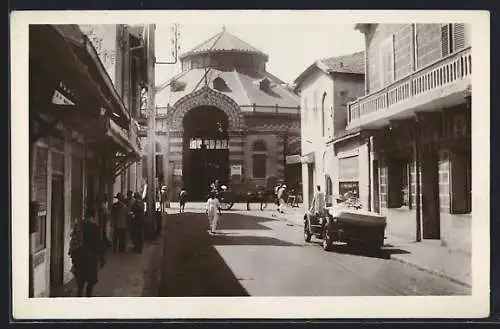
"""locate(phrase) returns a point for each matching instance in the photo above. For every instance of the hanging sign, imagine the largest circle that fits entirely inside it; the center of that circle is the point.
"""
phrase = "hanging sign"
(236, 170)
(178, 172)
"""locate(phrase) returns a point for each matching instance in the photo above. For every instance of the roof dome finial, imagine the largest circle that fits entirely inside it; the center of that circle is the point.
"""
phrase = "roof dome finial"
(223, 28)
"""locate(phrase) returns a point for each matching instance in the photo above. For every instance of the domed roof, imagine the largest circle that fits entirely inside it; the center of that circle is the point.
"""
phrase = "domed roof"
(224, 42)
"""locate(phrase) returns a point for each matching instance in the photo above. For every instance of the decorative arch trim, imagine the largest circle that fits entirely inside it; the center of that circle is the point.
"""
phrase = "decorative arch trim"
(206, 97)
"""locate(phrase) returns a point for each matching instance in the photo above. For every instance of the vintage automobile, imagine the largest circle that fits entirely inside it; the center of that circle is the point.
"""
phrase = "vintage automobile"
(346, 222)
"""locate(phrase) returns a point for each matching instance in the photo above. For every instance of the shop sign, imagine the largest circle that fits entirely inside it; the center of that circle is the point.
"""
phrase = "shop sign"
(236, 170)
(292, 159)
(178, 172)
(309, 158)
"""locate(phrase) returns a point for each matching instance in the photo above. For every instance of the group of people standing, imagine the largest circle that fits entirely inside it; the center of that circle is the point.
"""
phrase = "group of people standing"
(104, 227)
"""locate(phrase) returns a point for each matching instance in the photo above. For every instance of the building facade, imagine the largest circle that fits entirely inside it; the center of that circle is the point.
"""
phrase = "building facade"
(225, 117)
(333, 158)
(416, 112)
(82, 137)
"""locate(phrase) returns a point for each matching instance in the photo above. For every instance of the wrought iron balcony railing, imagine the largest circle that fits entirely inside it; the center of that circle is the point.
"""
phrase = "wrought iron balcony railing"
(446, 71)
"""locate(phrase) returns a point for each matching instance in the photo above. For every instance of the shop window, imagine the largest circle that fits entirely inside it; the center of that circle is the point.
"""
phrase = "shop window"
(259, 159)
(453, 38)
(398, 183)
(40, 195)
(349, 175)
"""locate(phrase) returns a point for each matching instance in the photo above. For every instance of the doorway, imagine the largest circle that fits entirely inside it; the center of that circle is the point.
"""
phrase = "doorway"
(461, 182)
(376, 198)
(57, 235)
(205, 150)
(310, 183)
(430, 196)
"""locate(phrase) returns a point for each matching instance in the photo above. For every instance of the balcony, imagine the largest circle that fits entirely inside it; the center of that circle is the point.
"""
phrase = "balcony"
(438, 85)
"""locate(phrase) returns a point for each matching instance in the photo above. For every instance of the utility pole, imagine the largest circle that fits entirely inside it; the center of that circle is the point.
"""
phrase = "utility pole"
(151, 193)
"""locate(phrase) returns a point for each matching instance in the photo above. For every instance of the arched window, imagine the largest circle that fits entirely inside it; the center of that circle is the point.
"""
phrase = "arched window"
(328, 189)
(323, 115)
(259, 159)
(306, 109)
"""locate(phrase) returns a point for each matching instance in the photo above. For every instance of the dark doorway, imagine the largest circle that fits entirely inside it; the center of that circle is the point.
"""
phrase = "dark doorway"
(57, 235)
(430, 196)
(376, 198)
(461, 182)
(205, 150)
(398, 182)
(310, 179)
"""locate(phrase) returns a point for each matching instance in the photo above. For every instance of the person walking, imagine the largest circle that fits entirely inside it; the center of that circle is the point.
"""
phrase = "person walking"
(86, 250)
(163, 198)
(120, 212)
(182, 200)
(212, 209)
(318, 206)
(137, 224)
(281, 198)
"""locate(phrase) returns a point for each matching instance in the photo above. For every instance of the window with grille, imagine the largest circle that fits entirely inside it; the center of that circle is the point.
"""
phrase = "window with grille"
(259, 159)
(453, 38)
(386, 55)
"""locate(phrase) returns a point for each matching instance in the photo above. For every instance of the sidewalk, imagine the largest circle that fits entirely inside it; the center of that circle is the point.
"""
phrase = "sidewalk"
(127, 274)
(427, 255)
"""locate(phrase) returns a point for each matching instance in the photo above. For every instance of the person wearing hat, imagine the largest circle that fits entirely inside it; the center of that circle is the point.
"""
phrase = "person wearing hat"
(137, 223)
(119, 214)
(163, 198)
(281, 198)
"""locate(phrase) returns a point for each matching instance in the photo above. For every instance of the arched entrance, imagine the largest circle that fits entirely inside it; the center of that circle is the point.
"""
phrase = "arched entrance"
(205, 150)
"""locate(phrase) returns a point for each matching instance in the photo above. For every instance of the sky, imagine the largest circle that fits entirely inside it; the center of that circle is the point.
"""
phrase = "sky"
(291, 47)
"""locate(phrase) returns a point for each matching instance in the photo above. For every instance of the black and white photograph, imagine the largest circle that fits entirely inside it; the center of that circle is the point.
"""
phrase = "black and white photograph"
(250, 164)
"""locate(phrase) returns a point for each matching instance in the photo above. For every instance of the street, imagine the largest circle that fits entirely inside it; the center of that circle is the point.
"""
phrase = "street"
(263, 254)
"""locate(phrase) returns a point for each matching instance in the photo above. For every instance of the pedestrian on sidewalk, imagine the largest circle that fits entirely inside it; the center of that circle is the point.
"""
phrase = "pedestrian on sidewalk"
(163, 198)
(86, 250)
(182, 200)
(281, 198)
(212, 209)
(137, 224)
(120, 212)
(105, 221)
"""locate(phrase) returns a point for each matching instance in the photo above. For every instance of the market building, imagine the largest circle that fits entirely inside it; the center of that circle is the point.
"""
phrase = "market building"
(225, 117)
(417, 112)
(83, 136)
(333, 158)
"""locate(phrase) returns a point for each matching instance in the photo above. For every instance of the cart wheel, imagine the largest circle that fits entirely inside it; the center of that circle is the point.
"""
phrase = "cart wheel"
(307, 234)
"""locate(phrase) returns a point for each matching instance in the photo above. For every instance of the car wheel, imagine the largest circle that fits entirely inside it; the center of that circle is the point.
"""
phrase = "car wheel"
(307, 234)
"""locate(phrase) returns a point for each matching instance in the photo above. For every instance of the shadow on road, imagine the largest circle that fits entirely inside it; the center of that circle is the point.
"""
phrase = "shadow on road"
(383, 253)
(250, 240)
(191, 266)
(242, 222)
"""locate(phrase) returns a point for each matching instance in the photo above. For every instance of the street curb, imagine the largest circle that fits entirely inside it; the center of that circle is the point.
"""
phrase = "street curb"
(430, 270)
(413, 264)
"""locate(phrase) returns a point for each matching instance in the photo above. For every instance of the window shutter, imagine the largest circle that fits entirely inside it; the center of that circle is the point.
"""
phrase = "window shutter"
(458, 36)
(445, 39)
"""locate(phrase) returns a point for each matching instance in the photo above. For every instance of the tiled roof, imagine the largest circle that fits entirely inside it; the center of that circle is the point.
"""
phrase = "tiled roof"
(353, 63)
(223, 41)
(242, 88)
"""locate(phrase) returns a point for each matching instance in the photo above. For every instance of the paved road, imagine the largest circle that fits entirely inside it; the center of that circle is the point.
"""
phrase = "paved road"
(258, 256)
